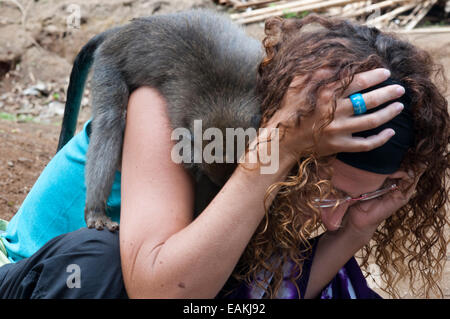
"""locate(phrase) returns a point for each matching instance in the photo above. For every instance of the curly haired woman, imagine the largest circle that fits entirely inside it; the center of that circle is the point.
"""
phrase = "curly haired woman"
(258, 238)
(404, 229)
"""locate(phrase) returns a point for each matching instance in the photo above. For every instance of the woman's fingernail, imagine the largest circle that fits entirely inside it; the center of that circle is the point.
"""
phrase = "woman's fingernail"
(399, 107)
(401, 90)
(391, 132)
(387, 73)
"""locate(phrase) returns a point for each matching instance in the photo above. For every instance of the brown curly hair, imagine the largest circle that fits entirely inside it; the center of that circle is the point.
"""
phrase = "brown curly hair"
(412, 240)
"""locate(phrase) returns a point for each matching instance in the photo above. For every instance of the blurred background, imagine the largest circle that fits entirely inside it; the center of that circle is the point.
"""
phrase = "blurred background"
(39, 40)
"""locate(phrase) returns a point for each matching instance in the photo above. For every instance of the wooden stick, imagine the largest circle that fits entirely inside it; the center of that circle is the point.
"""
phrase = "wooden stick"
(425, 30)
(392, 14)
(254, 3)
(235, 2)
(315, 6)
(356, 6)
(412, 14)
(285, 6)
(369, 9)
(346, 8)
(422, 13)
(339, 11)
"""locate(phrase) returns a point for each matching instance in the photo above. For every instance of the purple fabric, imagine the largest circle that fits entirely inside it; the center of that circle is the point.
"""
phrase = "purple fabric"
(349, 283)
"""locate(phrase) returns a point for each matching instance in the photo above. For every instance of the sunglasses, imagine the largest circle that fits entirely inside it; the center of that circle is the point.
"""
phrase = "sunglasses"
(325, 203)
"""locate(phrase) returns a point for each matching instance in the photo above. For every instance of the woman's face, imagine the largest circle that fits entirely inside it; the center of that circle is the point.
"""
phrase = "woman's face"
(354, 182)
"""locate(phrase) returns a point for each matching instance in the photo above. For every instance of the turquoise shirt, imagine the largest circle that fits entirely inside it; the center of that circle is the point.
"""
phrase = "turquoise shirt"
(55, 204)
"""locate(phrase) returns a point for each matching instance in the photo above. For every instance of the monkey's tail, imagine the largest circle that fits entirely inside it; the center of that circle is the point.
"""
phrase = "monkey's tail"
(78, 77)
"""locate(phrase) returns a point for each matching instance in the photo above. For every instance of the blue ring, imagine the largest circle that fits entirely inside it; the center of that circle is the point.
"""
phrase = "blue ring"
(359, 105)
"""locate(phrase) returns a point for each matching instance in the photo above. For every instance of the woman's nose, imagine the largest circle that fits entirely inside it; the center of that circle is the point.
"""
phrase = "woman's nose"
(332, 217)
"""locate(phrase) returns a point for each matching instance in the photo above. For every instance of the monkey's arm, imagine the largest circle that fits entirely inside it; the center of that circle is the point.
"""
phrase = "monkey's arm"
(164, 253)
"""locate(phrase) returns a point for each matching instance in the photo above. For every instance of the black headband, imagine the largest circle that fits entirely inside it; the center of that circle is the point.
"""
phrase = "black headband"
(387, 158)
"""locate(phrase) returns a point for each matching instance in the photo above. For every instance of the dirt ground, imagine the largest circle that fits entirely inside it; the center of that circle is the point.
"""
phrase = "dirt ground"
(36, 53)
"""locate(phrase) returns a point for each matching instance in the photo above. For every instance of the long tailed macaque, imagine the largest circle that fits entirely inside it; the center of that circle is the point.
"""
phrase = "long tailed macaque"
(203, 65)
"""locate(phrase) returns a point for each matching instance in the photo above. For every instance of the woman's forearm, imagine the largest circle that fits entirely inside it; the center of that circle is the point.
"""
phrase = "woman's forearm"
(196, 261)
(333, 251)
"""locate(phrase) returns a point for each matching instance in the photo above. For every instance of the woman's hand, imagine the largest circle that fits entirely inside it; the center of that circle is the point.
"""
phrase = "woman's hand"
(337, 136)
(363, 218)
(360, 222)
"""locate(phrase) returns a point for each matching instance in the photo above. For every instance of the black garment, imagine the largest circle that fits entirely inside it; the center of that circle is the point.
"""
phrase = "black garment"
(387, 158)
(81, 264)
(86, 264)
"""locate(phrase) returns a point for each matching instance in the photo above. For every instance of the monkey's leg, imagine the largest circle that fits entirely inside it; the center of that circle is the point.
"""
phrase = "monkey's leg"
(109, 101)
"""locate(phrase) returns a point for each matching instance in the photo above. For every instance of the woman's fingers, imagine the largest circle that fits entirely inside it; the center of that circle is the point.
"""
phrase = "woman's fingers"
(409, 176)
(370, 121)
(338, 132)
(364, 80)
(408, 180)
(373, 98)
(365, 144)
(399, 175)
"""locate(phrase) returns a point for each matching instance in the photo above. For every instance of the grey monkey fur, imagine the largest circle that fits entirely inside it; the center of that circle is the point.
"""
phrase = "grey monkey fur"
(203, 65)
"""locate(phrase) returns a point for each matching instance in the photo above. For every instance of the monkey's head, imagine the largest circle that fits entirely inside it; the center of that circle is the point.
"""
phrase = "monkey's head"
(224, 141)
(218, 173)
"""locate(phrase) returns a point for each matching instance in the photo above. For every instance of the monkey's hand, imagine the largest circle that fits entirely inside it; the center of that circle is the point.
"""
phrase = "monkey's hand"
(96, 218)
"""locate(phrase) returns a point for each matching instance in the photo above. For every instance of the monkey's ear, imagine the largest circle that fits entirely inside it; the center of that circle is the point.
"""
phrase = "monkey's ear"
(255, 121)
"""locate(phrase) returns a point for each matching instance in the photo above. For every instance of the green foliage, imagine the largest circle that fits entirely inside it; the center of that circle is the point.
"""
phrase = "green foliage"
(297, 15)
(7, 116)
(16, 118)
